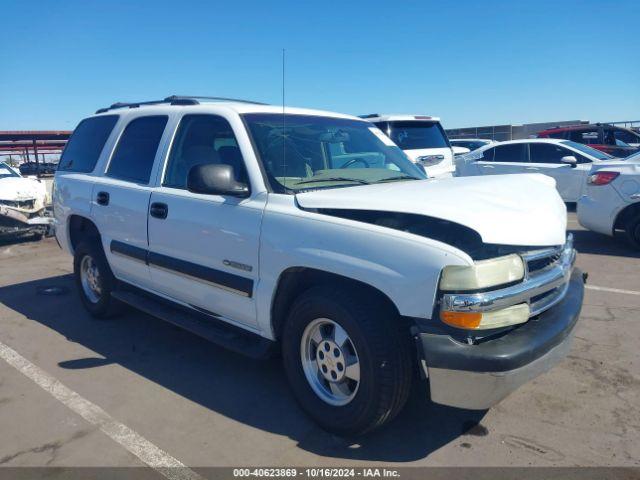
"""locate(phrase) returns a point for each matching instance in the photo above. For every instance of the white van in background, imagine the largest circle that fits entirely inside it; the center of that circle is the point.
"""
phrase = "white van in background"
(422, 138)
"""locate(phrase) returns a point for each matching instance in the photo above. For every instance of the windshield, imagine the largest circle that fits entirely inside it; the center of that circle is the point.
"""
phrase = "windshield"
(6, 171)
(588, 150)
(302, 152)
(414, 135)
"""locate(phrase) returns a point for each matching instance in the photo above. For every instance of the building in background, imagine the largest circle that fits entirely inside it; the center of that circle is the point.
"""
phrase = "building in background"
(508, 132)
(34, 152)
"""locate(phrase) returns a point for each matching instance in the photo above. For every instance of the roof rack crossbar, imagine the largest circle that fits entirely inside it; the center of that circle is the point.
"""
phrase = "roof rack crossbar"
(174, 100)
(220, 99)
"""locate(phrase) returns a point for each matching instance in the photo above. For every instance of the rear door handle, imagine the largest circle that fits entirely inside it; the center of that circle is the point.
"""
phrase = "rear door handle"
(102, 198)
(532, 168)
(487, 166)
(159, 210)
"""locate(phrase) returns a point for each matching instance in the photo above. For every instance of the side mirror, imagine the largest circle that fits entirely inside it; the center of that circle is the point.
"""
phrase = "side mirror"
(215, 179)
(571, 160)
(459, 150)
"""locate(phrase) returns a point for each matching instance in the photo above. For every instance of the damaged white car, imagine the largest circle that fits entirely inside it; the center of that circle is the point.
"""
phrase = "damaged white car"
(22, 205)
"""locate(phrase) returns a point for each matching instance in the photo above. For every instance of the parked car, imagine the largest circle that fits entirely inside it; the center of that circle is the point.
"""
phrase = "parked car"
(565, 161)
(611, 200)
(471, 143)
(422, 138)
(616, 141)
(32, 168)
(311, 232)
(22, 205)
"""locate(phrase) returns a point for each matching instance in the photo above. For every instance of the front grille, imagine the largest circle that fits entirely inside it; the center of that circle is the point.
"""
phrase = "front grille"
(26, 204)
(540, 260)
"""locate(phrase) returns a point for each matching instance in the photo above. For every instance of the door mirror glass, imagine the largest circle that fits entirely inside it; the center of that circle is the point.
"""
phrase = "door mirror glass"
(215, 179)
(570, 159)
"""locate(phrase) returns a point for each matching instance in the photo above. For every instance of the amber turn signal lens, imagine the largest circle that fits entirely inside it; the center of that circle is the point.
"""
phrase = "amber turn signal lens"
(461, 319)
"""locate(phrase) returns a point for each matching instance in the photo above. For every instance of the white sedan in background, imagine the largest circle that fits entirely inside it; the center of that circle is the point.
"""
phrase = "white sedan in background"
(565, 161)
(611, 199)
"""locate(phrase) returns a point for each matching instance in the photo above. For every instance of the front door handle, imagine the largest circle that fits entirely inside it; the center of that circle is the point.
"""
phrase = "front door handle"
(532, 168)
(487, 166)
(159, 210)
(102, 198)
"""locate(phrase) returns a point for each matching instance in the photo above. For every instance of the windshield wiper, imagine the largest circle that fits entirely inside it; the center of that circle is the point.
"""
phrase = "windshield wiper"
(333, 179)
(393, 179)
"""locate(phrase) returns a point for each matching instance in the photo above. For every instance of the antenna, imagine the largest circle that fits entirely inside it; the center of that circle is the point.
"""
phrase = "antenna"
(284, 131)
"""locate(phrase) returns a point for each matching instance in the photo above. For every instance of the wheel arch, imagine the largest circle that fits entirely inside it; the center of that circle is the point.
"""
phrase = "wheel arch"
(626, 214)
(80, 227)
(294, 281)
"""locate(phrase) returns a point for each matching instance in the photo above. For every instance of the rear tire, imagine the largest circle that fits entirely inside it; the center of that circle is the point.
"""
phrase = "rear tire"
(632, 229)
(94, 279)
(365, 381)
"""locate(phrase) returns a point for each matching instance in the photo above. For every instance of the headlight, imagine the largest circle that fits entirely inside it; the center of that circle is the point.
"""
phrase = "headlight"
(482, 274)
(513, 315)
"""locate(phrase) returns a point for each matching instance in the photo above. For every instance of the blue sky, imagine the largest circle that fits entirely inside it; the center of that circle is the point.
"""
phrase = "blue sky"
(470, 62)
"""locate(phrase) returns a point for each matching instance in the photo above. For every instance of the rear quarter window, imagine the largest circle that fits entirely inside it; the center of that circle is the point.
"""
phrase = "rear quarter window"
(86, 143)
(136, 150)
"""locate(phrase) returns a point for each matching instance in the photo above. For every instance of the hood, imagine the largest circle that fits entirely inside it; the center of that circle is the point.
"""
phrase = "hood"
(522, 209)
(18, 188)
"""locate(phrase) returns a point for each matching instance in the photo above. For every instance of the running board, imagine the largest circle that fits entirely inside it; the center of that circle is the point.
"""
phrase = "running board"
(205, 325)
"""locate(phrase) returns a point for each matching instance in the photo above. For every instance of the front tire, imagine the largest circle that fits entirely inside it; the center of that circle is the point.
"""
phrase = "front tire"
(347, 359)
(94, 279)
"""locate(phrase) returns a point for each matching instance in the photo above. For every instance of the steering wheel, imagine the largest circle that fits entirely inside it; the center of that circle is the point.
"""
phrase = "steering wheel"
(355, 160)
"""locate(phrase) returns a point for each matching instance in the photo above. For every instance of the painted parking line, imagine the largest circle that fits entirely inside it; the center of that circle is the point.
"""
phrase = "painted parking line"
(611, 290)
(135, 443)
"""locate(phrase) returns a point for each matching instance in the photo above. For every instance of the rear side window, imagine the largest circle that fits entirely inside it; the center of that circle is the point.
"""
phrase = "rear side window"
(511, 153)
(626, 136)
(547, 153)
(86, 143)
(588, 137)
(136, 150)
(487, 155)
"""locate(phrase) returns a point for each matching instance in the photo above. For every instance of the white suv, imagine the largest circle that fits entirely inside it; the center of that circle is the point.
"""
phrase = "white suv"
(312, 233)
(422, 138)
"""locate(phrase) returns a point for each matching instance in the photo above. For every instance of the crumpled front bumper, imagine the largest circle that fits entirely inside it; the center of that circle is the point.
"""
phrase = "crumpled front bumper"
(15, 222)
(480, 375)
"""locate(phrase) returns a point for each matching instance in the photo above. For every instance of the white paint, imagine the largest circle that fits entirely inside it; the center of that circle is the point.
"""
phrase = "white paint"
(600, 205)
(570, 182)
(612, 290)
(136, 444)
(505, 210)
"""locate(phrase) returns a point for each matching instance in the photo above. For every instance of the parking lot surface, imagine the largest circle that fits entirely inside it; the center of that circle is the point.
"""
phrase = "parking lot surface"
(200, 405)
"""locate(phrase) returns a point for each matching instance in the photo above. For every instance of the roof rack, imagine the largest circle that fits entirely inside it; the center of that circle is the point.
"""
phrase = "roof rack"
(175, 100)
(370, 115)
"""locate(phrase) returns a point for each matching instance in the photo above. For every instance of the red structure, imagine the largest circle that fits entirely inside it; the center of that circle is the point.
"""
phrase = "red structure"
(32, 145)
